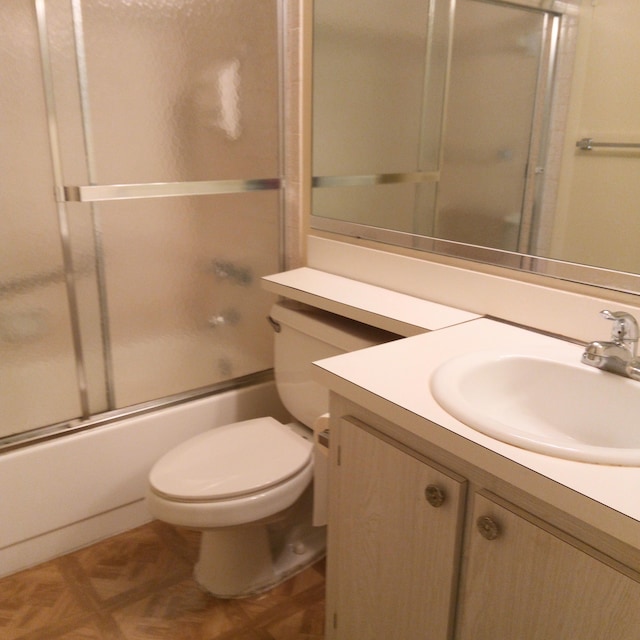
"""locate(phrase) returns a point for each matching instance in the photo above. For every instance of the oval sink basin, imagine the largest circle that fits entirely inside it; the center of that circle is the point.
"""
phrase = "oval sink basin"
(544, 403)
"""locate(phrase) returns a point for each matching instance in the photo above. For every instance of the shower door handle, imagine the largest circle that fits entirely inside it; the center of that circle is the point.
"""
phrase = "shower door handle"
(102, 193)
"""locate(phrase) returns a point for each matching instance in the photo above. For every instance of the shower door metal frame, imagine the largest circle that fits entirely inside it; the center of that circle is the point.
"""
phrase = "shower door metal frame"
(63, 221)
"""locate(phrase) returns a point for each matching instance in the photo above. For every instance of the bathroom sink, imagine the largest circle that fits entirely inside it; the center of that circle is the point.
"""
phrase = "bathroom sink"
(545, 402)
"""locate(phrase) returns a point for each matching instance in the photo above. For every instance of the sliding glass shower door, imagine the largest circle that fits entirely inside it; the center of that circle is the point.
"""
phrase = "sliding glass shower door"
(157, 175)
(38, 382)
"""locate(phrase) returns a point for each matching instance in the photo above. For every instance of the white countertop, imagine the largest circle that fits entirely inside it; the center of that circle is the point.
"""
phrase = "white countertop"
(392, 380)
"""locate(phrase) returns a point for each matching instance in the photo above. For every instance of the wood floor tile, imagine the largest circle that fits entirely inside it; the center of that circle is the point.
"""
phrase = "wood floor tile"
(282, 596)
(36, 599)
(185, 543)
(130, 562)
(302, 625)
(139, 586)
(183, 611)
(86, 631)
(93, 628)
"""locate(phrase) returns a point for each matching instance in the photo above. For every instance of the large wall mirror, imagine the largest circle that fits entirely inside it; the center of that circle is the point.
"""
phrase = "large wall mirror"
(501, 132)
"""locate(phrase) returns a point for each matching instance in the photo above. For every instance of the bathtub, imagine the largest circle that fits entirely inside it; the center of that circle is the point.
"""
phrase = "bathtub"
(67, 493)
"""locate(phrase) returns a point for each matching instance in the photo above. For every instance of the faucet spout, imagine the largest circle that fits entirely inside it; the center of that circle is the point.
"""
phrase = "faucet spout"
(618, 355)
(625, 329)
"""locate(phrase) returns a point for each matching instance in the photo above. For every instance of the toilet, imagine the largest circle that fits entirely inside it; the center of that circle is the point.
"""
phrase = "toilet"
(249, 486)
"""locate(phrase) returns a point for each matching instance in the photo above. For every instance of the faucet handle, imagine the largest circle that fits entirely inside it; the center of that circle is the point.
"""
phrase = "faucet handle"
(625, 328)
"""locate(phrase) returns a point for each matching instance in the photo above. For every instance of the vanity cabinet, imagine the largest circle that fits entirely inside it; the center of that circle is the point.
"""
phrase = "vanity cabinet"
(524, 580)
(418, 551)
(396, 543)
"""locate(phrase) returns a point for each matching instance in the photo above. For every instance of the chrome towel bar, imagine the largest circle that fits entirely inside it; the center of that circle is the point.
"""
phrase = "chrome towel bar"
(586, 144)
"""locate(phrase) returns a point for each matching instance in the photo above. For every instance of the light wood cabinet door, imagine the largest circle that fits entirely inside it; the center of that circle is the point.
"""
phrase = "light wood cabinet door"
(532, 583)
(395, 568)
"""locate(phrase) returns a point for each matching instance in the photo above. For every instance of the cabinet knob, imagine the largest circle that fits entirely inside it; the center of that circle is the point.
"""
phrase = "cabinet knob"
(488, 527)
(434, 495)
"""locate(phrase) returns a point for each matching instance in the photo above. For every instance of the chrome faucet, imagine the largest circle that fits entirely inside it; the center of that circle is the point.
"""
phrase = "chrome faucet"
(619, 355)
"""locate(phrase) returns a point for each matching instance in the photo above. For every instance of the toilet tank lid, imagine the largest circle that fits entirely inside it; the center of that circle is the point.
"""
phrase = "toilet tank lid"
(230, 461)
(341, 332)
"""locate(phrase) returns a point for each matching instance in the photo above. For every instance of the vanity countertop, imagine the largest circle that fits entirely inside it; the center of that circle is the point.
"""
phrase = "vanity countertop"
(392, 380)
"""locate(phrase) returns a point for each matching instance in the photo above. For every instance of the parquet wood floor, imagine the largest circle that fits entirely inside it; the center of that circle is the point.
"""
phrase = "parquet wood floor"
(139, 586)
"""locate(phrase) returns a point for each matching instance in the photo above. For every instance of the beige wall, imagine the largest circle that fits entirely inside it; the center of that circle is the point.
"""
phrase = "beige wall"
(597, 217)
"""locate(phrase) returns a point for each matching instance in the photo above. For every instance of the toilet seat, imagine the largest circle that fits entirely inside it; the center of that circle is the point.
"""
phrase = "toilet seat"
(231, 461)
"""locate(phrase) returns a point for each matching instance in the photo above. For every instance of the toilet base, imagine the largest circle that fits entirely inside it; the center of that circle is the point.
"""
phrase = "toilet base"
(238, 562)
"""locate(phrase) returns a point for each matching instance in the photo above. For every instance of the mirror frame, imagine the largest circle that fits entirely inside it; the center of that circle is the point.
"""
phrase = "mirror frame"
(600, 277)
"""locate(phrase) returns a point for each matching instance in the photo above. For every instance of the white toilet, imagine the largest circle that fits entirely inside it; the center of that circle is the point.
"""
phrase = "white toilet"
(248, 485)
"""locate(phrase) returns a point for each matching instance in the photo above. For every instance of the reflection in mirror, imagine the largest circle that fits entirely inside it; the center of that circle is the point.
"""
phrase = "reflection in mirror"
(452, 126)
(493, 130)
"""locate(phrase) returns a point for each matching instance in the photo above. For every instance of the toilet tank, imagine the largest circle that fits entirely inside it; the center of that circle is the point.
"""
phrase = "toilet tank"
(306, 334)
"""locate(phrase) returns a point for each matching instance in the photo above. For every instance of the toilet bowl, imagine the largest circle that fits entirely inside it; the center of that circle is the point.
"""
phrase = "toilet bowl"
(242, 484)
(249, 486)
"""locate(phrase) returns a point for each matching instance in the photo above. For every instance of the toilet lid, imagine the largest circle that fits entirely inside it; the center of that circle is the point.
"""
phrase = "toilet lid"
(232, 460)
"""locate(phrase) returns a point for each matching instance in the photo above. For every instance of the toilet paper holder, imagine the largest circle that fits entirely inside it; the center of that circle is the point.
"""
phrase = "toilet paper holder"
(323, 437)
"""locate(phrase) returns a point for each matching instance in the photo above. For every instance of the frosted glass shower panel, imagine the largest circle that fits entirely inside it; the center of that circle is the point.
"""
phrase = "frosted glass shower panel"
(185, 306)
(399, 207)
(379, 85)
(490, 122)
(182, 91)
(38, 383)
(368, 79)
